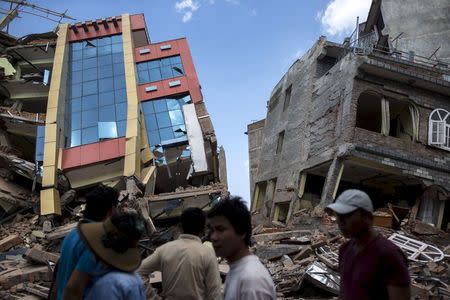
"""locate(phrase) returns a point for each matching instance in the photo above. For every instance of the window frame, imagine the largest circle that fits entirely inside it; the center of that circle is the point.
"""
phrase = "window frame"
(439, 128)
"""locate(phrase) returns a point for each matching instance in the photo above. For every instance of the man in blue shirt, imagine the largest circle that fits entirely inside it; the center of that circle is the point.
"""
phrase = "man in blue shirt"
(115, 243)
(77, 266)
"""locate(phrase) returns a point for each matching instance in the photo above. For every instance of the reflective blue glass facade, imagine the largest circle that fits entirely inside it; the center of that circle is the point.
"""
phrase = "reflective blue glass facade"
(96, 90)
(164, 120)
(40, 139)
(159, 69)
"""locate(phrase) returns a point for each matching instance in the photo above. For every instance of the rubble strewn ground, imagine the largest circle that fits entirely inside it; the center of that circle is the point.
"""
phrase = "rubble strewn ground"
(301, 257)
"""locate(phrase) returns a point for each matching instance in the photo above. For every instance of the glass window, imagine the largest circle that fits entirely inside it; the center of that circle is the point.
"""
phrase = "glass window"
(121, 111)
(148, 107)
(144, 77)
(120, 95)
(104, 50)
(121, 128)
(163, 120)
(89, 118)
(165, 61)
(179, 130)
(160, 105)
(154, 64)
(76, 66)
(107, 130)
(107, 113)
(90, 63)
(76, 121)
(175, 60)
(89, 52)
(89, 102)
(105, 71)
(90, 87)
(106, 85)
(116, 39)
(155, 75)
(166, 72)
(90, 74)
(150, 122)
(177, 70)
(77, 77)
(89, 135)
(176, 117)
(166, 134)
(117, 48)
(75, 90)
(106, 98)
(119, 82)
(77, 55)
(119, 69)
(75, 138)
(142, 67)
(153, 138)
(104, 41)
(75, 104)
(77, 46)
(104, 60)
(89, 43)
(172, 104)
(117, 58)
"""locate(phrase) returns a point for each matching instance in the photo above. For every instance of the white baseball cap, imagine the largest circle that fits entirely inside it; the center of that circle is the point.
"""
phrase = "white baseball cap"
(349, 201)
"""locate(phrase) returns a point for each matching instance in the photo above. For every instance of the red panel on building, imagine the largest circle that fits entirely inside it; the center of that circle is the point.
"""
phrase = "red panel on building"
(93, 153)
(137, 22)
(163, 88)
(95, 29)
(189, 82)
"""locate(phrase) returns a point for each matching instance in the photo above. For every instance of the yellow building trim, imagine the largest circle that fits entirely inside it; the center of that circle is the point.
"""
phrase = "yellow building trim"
(50, 203)
(132, 164)
(53, 126)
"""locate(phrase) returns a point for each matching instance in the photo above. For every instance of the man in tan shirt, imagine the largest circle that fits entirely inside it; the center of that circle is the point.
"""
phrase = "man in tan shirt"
(189, 268)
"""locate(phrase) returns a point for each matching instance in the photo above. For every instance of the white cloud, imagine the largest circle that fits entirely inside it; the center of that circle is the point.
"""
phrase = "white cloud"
(340, 15)
(253, 12)
(235, 2)
(187, 7)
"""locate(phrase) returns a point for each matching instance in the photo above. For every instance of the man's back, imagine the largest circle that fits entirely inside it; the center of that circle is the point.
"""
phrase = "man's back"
(366, 275)
(117, 285)
(189, 269)
(249, 279)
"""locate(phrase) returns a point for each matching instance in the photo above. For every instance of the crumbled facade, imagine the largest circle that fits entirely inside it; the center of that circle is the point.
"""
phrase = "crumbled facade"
(361, 114)
(98, 102)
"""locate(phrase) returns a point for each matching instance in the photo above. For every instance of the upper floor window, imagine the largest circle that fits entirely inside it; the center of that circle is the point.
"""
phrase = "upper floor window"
(96, 92)
(164, 120)
(287, 97)
(439, 129)
(159, 69)
(280, 142)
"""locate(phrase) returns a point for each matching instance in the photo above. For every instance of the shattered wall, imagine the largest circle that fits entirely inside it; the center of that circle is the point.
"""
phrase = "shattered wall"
(424, 26)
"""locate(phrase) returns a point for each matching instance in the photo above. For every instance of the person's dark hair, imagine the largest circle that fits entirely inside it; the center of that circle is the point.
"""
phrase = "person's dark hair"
(193, 221)
(234, 209)
(99, 202)
(130, 226)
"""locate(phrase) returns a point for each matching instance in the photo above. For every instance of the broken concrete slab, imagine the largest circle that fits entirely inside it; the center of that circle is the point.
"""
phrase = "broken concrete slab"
(37, 255)
(276, 236)
(60, 232)
(9, 242)
(276, 251)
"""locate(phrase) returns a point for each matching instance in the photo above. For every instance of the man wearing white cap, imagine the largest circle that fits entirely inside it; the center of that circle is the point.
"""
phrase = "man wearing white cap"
(371, 266)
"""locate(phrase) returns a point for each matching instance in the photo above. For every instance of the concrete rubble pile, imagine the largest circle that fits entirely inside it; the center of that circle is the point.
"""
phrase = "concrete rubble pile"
(302, 257)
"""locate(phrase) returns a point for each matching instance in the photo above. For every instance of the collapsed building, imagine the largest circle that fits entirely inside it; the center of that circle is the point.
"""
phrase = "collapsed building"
(371, 113)
(98, 102)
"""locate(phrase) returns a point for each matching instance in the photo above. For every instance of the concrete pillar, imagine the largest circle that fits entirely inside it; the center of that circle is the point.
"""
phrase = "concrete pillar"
(332, 182)
(269, 204)
(132, 165)
(54, 125)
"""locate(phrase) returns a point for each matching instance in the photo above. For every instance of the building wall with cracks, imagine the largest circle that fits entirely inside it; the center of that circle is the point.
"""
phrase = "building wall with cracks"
(329, 134)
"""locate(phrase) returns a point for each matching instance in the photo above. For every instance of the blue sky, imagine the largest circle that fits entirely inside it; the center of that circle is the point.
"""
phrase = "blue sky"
(241, 49)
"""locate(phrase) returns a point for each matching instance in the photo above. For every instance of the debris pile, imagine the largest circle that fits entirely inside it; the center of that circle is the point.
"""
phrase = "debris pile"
(303, 256)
